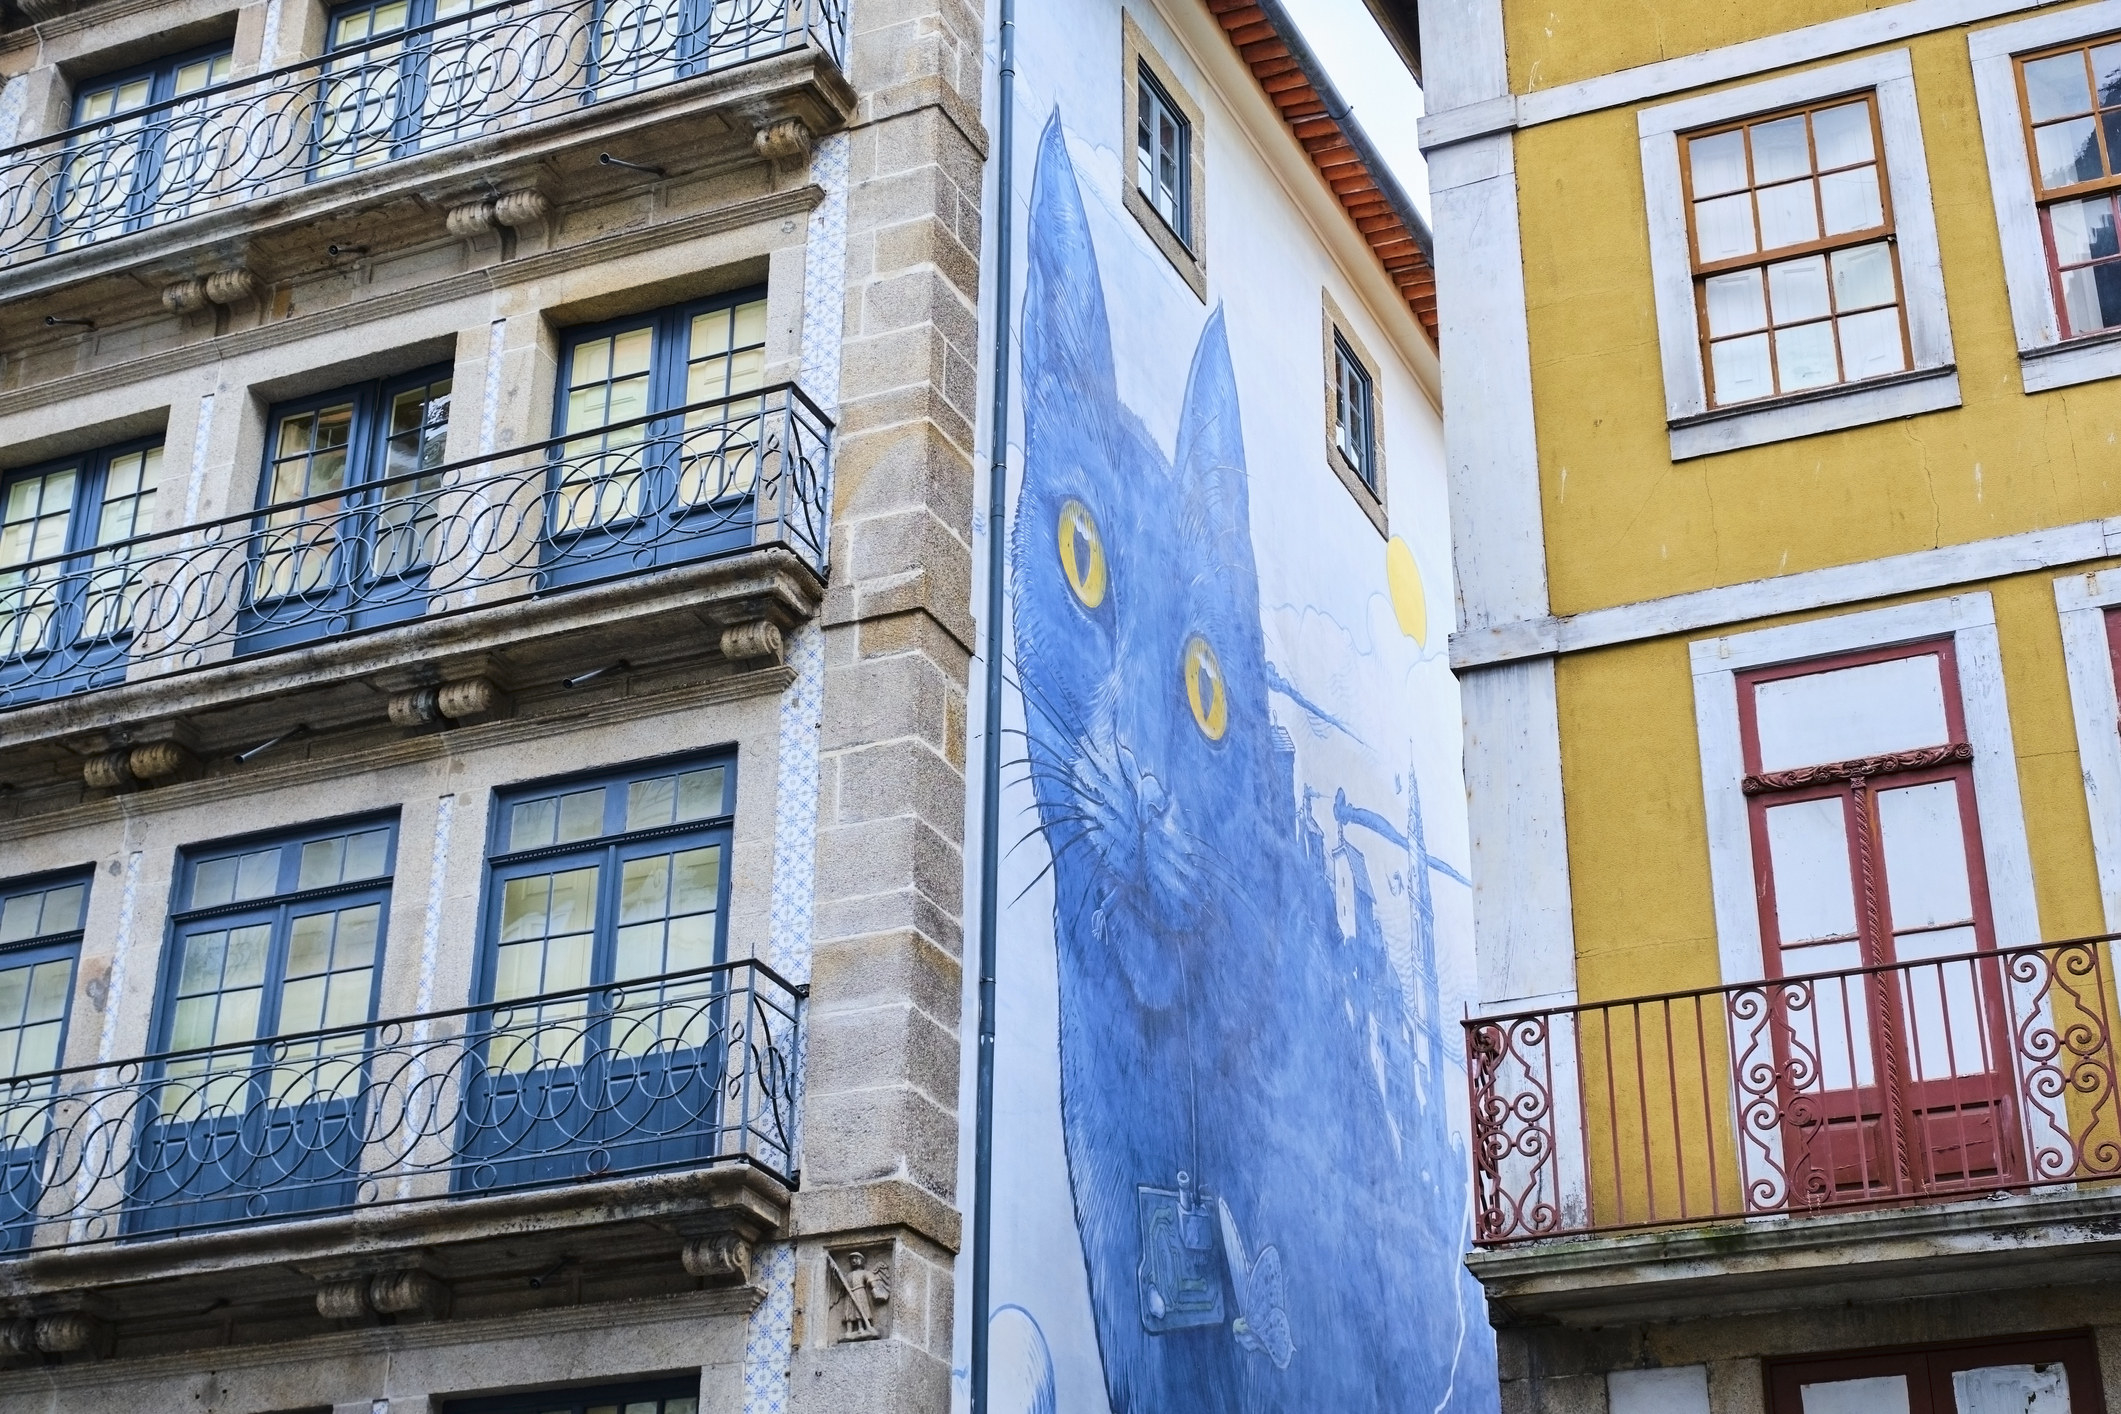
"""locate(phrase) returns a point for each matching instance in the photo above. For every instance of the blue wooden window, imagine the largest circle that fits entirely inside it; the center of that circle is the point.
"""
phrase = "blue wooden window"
(640, 43)
(128, 167)
(67, 591)
(673, 1396)
(634, 490)
(404, 80)
(40, 944)
(599, 883)
(270, 938)
(348, 495)
(1354, 412)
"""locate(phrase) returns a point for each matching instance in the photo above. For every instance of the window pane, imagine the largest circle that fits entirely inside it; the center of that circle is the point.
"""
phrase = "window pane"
(1843, 135)
(1723, 228)
(2106, 74)
(581, 815)
(1845, 714)
(1808, 848)
(2067, 151)
(1863, 276)
(257, 874)
(1798, 288)
(1925, 855)
(1881, 1394)
(700, 794)
(2012, 1389)
(1780, 150)
(1741, 369)
(1870, 344)
(1735, 302)
(323, 863)
(531, 823)
(651, 802)
(2057, 86)
(1718, 163)
(1804, 357)
(1789, 215)
(1850, 200)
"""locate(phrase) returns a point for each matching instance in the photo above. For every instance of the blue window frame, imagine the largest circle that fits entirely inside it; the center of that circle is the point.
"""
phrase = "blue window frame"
(270, 937)
(593, 884)
(139, 156)
(671, 1396)
(632, 489)
(346, 538)
(68, 583)
(404, 79)
(40, 946)
(640, 43)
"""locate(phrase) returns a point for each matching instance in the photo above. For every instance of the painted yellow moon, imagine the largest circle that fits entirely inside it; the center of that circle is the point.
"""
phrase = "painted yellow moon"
(1409, 603)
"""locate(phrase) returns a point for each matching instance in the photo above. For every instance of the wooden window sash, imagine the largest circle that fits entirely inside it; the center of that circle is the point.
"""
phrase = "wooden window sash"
(2047, 198)
(1702, 271)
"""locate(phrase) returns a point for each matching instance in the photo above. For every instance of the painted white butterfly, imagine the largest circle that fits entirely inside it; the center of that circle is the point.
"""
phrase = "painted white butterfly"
(1262, 1321)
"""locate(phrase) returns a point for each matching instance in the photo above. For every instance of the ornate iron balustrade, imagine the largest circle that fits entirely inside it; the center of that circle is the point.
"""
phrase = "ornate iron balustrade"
(490, 68)
(1917, 1082)
(709, 479)
(679, 1071)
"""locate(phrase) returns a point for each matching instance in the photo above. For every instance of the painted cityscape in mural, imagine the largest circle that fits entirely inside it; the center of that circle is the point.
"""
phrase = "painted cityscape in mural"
(1230, 1003)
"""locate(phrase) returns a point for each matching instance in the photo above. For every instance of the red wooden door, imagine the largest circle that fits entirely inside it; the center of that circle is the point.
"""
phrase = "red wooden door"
(1891, 1042)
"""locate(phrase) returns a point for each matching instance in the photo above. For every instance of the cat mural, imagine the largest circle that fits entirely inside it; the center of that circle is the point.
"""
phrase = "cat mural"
(1270, 1215)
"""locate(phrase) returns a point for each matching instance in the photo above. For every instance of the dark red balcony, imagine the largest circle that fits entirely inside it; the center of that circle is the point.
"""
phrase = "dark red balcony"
(1911, 1083)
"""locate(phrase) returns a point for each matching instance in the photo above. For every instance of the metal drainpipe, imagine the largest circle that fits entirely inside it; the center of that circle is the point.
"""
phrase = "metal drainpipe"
(991, 739)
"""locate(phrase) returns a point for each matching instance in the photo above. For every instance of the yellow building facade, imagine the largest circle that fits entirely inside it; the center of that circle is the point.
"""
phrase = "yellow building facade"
(1783, 409)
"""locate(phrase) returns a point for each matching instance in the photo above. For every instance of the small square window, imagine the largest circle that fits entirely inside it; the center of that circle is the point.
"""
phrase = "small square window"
(1163, 143)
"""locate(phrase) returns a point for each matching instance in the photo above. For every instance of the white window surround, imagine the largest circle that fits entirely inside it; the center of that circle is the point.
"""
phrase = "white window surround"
(1970, 621)
(2081, 601)
(2046, 359)
(1931, 382)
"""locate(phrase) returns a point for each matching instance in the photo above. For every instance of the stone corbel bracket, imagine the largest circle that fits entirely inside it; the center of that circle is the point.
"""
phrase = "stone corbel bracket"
(67, 1333)
(785, 142)
(407, 1291)
(756, 644)
(146, 756)
(457, 704)
(523, 209)
(719, 1258)
(227, 288)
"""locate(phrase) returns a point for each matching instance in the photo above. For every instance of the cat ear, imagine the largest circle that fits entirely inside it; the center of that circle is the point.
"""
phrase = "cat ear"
(1211, 442)
(1067, 340)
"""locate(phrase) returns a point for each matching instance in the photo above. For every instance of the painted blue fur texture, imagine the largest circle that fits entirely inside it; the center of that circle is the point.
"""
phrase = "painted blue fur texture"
(1222, 1014)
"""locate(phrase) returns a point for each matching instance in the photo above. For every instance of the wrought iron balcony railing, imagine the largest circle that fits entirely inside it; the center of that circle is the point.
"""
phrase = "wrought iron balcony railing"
(1916, 1082)
(679, 1071)
(705, 480)
(468, 75)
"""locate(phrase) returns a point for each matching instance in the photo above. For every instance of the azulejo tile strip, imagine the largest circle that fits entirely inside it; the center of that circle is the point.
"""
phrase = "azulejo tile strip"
(769, 1340)
(769, 1337)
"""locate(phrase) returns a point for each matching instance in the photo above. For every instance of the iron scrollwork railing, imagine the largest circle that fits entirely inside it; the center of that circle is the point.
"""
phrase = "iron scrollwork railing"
(680, 1071)
(1912, 1082)
(705, 480)
(466, 75)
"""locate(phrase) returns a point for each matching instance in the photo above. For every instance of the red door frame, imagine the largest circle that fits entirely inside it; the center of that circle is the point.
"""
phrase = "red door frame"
(1830, 1137)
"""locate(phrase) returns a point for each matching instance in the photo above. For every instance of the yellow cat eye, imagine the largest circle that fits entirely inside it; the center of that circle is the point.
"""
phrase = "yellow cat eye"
(1204, 689)
(1082, 554)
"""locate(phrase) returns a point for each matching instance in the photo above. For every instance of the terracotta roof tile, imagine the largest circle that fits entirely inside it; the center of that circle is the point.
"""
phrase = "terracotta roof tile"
(1400, 248)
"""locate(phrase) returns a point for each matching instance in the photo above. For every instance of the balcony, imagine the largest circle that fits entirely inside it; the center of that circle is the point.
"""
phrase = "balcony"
(516, 570)
(1763, 1141)
(494, 97)
(376, 1168)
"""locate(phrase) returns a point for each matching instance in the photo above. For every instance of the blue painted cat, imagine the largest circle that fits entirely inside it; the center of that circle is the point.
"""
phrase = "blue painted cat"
(1264, 1208)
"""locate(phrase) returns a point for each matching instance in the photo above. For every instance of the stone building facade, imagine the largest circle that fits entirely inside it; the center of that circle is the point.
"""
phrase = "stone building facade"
(488, 514)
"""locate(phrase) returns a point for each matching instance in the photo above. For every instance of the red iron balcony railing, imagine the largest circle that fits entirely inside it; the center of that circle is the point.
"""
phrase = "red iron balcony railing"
(1913, 1082)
